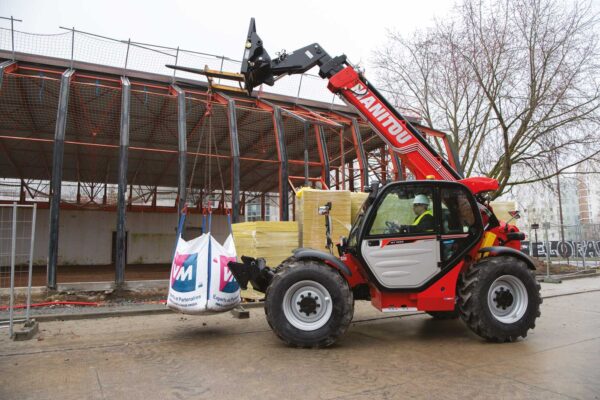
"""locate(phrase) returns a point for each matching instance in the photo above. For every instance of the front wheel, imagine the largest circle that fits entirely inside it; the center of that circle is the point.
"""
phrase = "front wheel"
(308, 304)
(499, 298)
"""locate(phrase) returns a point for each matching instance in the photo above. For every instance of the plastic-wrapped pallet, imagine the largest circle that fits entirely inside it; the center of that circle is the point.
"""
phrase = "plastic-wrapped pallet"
(311, 225)
(271, 240)
(356, 201)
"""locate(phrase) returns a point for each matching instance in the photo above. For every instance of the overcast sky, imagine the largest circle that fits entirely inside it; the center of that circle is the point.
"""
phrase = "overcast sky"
(351, 27)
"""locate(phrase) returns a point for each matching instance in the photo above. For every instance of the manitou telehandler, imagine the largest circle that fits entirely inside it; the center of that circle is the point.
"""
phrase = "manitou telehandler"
(464, 262)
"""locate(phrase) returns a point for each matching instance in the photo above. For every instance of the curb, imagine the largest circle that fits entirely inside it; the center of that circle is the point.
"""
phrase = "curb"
(123, 313)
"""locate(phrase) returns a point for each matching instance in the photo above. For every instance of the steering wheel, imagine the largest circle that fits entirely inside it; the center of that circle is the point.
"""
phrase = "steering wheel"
(392, 227)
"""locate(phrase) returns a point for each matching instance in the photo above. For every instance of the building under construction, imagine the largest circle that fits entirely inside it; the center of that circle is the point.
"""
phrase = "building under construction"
(110, 153)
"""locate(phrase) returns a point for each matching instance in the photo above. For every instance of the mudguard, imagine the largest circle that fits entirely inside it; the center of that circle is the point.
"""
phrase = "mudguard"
(507, 251)
(312, 254)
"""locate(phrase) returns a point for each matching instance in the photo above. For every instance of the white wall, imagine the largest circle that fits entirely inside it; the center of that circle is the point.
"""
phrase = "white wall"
(85, 237)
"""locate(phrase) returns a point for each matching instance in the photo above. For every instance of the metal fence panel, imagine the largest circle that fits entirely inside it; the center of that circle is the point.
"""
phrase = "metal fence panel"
(17, 238)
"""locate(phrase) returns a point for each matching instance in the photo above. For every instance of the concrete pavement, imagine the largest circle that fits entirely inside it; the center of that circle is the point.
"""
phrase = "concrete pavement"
(168, 356)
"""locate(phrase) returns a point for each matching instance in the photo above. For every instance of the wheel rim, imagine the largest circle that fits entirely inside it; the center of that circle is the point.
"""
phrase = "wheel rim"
(507, 299)
(307, 305)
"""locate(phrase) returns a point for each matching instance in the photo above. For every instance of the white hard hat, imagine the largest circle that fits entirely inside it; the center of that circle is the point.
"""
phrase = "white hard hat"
(421, 199)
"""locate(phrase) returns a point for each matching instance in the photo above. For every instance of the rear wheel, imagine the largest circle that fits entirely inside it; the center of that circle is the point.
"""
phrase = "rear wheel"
(499, 298)
(308, 304)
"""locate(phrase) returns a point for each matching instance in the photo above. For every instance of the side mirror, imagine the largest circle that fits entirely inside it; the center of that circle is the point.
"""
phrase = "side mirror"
(342, 245)
(343, 241)
(514, 214)
(324, 210)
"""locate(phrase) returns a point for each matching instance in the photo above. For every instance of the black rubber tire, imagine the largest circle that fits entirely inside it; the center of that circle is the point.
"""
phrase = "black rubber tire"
(444, 315)
(341, 297)
(473, 298)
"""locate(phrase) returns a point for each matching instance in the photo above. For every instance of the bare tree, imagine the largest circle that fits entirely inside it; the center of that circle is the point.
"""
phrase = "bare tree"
(515, 82)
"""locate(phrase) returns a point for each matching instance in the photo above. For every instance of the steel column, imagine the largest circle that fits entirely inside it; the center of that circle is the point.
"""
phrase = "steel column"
(3, 66)
(235, 159)
(284, 212)
(305, 126)
(121, 245)
(182, 139)
(57, 170)
(360, 152)
(325, 155)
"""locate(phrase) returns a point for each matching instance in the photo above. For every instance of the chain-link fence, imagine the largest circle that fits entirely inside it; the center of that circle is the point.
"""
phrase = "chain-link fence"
(17, 237)
(75, 45)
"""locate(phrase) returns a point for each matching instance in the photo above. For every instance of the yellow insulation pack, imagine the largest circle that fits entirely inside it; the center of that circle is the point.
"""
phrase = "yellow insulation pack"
(311, 225)
(356, 202)
(271, 240)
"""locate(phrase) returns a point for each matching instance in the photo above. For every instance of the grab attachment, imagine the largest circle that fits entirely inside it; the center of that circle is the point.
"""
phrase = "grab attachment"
(258, 67)
(253, 270)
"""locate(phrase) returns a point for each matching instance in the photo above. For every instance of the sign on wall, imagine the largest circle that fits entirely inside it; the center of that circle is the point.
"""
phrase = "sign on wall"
(566, 249)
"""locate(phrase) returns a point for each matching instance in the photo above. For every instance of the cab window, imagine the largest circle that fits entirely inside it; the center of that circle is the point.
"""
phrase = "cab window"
(405, 210)
(459, 223)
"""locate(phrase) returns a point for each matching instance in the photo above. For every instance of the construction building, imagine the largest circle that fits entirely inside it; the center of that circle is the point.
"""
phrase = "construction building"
(110, 153)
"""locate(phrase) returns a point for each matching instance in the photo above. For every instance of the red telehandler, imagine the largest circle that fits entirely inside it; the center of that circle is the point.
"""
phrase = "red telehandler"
(432, 244)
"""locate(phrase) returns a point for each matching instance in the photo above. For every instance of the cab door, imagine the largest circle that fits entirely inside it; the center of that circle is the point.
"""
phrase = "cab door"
(397, 251)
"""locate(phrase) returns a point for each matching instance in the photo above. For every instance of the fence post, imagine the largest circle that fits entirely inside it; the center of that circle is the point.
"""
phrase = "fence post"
(299, 87)
(581, 240)
(13, 248)
(30, 278)
(546, 226)
(126, 56)
(72, 46)
(221, 68)
(12, 33)
(176, 61)
(332, 101)
(548, 278)
(12, 36)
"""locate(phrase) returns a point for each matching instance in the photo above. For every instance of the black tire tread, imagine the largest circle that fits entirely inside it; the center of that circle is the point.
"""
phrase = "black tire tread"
(472, 305)
(284, 273)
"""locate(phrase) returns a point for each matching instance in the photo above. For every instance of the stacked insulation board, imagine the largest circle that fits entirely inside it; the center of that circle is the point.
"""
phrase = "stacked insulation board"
(271, 240)
(356, 202)
(311, 225)
(275, 240)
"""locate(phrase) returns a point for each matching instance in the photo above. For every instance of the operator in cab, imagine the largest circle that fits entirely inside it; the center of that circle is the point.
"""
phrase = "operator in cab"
(424, 220)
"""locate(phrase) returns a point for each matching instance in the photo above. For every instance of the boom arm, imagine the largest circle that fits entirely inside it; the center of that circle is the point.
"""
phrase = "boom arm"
(416, 154)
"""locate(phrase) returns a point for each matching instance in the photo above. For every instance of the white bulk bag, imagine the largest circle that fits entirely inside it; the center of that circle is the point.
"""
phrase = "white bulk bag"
(198, 286)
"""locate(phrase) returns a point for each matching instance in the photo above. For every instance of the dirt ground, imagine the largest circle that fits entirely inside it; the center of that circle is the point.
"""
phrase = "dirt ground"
(382, 356)
(90, 273)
